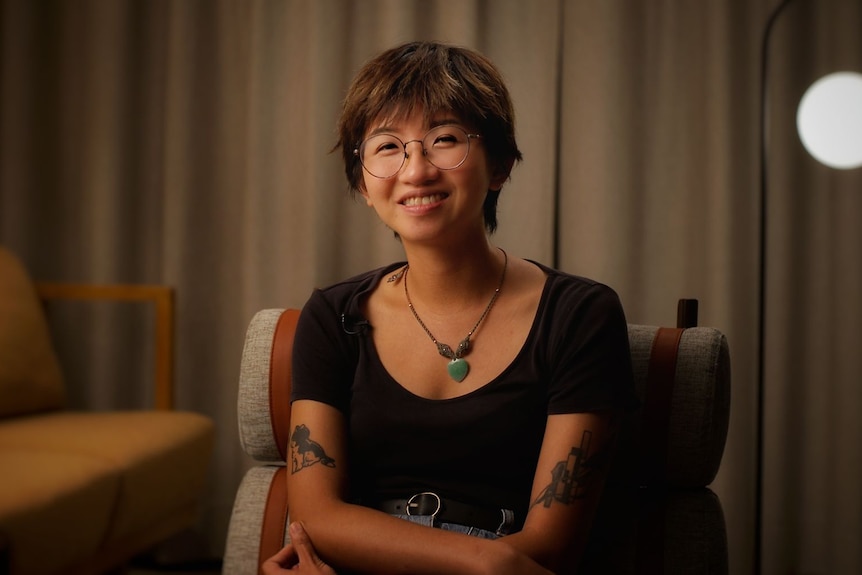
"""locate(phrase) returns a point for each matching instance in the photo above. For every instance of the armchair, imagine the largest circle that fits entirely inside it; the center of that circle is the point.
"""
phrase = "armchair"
(657, 514)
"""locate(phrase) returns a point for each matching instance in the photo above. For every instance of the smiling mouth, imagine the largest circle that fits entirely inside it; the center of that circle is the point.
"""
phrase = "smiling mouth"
(424, 200)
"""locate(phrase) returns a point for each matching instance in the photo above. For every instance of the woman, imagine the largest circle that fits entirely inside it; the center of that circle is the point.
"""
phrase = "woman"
(493, 445)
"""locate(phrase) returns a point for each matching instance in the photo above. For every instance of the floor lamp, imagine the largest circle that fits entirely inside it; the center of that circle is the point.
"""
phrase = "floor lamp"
(829, 122)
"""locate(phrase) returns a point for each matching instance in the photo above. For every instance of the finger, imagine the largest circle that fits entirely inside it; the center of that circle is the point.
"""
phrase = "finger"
(285, 557)
(304, 548)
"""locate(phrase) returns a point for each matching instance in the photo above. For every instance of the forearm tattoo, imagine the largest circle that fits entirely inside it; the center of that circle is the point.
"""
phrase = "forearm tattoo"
(305, 452)
(572, 478)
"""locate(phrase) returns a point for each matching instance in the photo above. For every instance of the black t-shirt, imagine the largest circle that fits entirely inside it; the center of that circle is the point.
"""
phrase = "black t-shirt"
(480, 448)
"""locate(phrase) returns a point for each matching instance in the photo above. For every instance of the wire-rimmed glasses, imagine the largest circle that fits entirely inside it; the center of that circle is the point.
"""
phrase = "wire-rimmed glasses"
(445, 147)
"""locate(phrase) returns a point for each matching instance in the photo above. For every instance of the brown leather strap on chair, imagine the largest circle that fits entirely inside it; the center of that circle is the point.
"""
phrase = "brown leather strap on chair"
(655, 430)
(280, 379)
(274, 518)
(275, 514)
(655, 423)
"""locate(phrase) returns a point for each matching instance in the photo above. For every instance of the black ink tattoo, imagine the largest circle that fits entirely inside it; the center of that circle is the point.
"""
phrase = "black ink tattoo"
(572, 477)
(305, 452)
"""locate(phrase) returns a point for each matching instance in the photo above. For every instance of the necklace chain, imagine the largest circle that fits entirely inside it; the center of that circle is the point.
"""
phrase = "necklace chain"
(464, 346)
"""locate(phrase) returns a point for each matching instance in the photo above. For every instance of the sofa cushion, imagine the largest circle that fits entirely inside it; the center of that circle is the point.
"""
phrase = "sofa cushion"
(44, 496)
(161, 456)
(30, 378)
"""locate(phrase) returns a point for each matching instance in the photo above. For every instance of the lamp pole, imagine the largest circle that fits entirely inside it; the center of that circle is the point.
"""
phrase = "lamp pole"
(761, 332)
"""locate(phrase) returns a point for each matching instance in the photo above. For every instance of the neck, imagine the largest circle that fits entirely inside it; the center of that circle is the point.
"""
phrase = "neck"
(454, 279)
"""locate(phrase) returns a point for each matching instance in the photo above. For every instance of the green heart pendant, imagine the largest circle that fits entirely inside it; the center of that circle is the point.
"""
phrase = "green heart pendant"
(458, 369)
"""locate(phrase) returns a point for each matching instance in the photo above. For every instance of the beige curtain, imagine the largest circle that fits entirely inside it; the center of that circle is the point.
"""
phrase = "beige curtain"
(659, 186)
(187, 143)
(813, 462)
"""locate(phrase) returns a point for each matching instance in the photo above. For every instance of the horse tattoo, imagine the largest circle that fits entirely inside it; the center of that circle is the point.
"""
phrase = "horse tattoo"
(305, 452)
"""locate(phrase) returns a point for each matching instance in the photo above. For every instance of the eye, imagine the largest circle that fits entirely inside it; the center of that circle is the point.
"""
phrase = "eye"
(446, 140)
(387, 147)
(447, 137)
(383, 145)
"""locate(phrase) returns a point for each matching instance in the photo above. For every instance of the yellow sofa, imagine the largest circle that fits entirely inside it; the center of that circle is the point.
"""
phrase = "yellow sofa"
(82, 492)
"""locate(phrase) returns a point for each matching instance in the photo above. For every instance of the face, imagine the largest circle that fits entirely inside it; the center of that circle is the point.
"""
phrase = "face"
(423, 202)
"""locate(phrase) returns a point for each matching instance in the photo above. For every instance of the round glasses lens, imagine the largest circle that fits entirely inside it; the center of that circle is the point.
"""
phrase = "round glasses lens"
(382, 155)
(446, 147)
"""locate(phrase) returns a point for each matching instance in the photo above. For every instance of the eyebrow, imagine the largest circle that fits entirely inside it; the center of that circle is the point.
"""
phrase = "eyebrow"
(443, 121)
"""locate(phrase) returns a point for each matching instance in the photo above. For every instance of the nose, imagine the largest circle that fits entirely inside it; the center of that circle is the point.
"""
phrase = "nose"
(416, 165)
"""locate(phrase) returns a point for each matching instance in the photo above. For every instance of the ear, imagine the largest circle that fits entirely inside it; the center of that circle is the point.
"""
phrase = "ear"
(501, 174)
(364, 193)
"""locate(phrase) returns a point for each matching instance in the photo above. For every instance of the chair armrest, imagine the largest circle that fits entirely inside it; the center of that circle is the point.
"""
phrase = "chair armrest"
(163, 299)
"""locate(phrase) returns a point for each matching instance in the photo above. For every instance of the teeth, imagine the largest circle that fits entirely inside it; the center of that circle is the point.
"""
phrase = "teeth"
(423, 200)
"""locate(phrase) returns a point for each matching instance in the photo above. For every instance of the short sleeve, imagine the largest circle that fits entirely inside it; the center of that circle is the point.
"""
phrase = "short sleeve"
(323, 355)
(590, 359)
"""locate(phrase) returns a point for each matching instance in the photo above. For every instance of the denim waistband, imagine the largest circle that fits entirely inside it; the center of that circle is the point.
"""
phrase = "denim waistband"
(444, 510)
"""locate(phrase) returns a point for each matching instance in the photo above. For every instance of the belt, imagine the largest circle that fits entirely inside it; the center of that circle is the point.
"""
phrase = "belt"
(499, 521)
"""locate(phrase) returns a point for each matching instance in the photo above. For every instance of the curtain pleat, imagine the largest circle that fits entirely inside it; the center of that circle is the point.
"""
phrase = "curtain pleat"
(812, 514)
(189, 143)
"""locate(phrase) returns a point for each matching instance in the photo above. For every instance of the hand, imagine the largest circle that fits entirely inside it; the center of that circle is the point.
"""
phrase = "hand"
(298, 557)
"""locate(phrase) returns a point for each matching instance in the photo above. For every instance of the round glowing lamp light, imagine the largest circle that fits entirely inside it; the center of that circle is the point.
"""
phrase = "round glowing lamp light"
(829, 120)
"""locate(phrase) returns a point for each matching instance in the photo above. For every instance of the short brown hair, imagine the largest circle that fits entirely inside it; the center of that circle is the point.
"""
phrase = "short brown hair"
(436, 77)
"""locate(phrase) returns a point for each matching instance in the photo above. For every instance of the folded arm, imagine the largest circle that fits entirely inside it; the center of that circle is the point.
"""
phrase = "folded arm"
(366, 540)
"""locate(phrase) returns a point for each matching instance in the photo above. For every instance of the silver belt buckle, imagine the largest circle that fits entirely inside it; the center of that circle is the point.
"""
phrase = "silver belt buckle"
(505, 526)
(412, 503)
